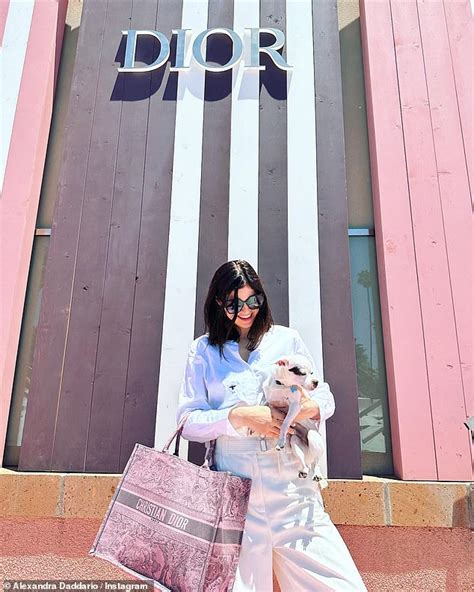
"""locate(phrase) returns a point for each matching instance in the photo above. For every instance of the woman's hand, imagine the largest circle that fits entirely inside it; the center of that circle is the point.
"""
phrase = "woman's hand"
(262, 420)
(309, 407)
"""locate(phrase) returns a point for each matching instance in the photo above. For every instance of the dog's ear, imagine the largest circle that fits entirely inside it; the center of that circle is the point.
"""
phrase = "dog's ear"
(282, 362)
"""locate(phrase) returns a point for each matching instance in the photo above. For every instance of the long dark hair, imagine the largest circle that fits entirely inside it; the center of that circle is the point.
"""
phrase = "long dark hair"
(227, 279)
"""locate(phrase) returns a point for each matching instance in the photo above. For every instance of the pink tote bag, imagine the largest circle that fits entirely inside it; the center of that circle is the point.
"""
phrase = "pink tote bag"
(175, 524)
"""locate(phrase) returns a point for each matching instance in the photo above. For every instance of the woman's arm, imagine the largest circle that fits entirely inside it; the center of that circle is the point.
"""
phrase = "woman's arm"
(204, 423)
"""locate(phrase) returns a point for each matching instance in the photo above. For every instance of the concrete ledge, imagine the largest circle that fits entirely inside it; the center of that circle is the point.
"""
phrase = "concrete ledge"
(370, 502)
(388, 502)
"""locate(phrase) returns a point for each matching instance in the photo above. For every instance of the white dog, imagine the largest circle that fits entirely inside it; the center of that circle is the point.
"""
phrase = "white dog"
(280, 391)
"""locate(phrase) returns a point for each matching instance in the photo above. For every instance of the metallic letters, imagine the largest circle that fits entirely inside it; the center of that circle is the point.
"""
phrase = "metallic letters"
(198, 50)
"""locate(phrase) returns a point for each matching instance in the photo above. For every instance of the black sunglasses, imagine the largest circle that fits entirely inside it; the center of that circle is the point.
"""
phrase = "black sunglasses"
(253, 302)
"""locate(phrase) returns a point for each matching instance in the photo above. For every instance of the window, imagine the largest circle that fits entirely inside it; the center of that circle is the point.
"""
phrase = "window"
(370, 360)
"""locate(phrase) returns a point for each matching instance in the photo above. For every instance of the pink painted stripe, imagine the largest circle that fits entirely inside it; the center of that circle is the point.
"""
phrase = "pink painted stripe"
(21, 190)
(453, 180)
(453, 454)
(4, 4)
(407, 377)
(460, 25)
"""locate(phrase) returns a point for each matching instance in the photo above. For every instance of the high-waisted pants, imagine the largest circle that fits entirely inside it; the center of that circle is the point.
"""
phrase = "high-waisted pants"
(286, 529)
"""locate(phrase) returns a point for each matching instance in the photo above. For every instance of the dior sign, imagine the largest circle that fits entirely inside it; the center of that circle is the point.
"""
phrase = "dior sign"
(199, 50)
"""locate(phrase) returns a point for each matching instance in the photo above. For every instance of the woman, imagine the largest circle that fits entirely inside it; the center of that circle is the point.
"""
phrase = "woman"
(287, 529)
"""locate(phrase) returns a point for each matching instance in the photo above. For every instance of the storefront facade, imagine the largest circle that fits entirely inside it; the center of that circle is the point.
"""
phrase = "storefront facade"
(331, 156)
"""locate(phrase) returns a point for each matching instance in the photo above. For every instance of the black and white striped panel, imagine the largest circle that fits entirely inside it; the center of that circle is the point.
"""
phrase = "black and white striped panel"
(245, 185)
(165, 176)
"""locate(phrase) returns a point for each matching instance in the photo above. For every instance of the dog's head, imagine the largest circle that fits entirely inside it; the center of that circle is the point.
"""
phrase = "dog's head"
(294, 369)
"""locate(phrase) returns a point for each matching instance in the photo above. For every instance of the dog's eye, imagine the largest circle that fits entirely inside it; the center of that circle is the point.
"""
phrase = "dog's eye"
(297, 371)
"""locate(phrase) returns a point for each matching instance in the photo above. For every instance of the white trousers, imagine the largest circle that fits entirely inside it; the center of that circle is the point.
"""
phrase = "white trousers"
(286, 529)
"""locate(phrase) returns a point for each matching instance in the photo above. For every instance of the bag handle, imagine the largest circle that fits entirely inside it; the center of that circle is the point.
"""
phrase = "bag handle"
(176, 434)
(210, 446)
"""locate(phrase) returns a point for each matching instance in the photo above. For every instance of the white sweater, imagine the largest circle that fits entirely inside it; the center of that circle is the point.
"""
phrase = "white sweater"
(211, 386)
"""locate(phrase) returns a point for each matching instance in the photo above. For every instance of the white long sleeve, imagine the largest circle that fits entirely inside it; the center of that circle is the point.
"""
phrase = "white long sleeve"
(204, 423)
(212, 386)
(322, 393)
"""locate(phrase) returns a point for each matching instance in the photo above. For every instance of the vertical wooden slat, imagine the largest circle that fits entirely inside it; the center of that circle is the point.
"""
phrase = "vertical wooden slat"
(40, 421)
(15, 39)
(460, 26)
(31, 45)
(427, 216)
(450, 413)
(79, 366)
(244, 145)
(273, 186)
(145, 347)
(214, 211)
(183, 237)
(4, 6)
(111, 368)
(407, 378)
(303, 233)
(344, 456)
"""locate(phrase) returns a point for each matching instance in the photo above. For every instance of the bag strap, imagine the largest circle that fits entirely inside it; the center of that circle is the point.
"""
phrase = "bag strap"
(209, 458)
(210, 446)
(176, 434)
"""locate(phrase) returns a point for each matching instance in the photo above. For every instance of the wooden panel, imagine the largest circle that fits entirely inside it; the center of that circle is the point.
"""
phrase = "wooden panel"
(145, 346)
(244, 145)
(214, 211)
(183, 237)
(405, 359)
(303, 232)
(453, 440)
(17, 26)
(144, 201)
(273, 186)
(4, 6)
(31, 45)
(432, 264)
(39, 429)
(421, 202)
(73, 413)
(344, 455)
(460, 26)
(123, 224)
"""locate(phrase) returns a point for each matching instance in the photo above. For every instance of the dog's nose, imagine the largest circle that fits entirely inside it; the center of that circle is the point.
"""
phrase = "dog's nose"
(315, 383)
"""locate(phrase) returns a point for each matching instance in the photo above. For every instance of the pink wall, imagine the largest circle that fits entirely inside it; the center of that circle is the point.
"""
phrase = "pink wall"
(389, 558)
(3, 17)
(417, 88)
(22, 182)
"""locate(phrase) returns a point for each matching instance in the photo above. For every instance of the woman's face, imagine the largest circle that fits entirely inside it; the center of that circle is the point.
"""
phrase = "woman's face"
(246, 316)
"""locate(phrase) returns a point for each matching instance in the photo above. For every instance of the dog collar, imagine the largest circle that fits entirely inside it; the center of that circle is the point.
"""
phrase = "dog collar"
(293, 388)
